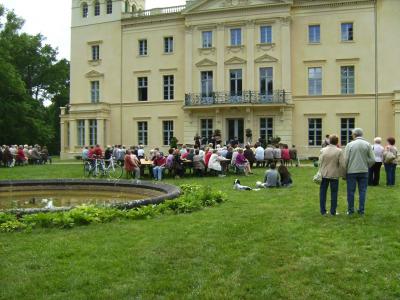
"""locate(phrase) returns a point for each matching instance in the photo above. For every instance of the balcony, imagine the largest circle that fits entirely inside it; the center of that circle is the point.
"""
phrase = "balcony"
(158, 11)
(278, 97)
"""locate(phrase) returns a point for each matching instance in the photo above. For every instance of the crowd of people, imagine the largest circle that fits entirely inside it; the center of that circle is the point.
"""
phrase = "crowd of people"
(359, 164)
(14, 155)
(210, 159)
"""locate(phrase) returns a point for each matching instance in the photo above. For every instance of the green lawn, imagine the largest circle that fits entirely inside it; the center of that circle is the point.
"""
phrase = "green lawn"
(271, 244)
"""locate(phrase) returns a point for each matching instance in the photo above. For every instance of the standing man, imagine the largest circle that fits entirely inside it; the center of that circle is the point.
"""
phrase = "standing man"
(359, 157)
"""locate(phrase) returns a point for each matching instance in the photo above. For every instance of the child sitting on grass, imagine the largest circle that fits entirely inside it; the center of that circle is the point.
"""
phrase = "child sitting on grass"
(272, 178)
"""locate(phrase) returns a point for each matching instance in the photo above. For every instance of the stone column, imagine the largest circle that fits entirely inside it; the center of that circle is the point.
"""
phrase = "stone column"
(73, 133)
(87, 141)
(286, 55)
(100, 132)
(189, 59)
(220, 58)
(249, 79)
(62, 137)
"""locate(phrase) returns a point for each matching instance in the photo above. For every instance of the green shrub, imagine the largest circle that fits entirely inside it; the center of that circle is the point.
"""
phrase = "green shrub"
(193, 198)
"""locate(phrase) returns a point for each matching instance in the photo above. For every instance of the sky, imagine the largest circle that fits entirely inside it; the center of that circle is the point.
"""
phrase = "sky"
(55, 23)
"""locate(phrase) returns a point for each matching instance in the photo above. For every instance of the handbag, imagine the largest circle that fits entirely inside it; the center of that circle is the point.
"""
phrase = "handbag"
(317, 177)
(389, 157)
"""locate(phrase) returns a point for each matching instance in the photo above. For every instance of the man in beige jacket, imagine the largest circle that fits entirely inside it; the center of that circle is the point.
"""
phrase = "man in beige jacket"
(332, 167)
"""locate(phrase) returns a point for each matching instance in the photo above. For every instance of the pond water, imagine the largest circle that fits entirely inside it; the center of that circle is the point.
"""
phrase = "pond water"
(64, 198)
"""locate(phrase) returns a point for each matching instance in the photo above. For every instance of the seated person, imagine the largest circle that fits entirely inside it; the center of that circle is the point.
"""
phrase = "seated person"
(159, 166)
(131, 165)
(170, 159)
(249, 155)
(214, 163)
(198, 163)
(286, 179)
(177, 164)
(272, 178)
(242, 163)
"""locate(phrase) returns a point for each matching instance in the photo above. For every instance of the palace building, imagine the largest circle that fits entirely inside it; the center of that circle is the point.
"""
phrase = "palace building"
(297, 69)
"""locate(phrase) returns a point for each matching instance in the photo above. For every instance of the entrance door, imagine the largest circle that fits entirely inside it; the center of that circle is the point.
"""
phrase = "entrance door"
(236, 130)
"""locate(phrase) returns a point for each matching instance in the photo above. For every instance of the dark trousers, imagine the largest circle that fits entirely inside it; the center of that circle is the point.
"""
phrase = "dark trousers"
(334, 183)
(374, 174)
(390, 174)
(360, 179)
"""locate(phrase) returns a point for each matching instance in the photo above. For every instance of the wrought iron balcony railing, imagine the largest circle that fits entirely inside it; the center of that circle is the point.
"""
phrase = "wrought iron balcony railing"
(245, 97)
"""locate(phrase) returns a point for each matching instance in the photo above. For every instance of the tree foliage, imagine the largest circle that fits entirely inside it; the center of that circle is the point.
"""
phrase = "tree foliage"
(30, 75)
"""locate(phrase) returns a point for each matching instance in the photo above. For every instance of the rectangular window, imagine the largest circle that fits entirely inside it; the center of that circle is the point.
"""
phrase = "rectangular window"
(235, 77)
(315, 81)
(314, 32)
(347, 79)
(92, 132)
(315, 132)
(81, 132)
(142, 89)
(206, 128)
(142, 133)
(266, 84)
(168, 87)
(168, 44)
(97, 8)
(236, 37)
(143, 47)
(85, 10)
(109, 7)
(347, 32)
(267, 129)
(95, 91)
(266, 34)
(347, 125)
(95, 52)
(206, 84)
(168, 132)
(206, 39)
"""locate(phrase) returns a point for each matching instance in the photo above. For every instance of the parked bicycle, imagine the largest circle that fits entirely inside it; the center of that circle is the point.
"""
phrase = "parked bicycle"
(98, 167)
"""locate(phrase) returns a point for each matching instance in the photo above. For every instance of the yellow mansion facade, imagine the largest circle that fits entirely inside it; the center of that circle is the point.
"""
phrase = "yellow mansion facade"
(297, 69)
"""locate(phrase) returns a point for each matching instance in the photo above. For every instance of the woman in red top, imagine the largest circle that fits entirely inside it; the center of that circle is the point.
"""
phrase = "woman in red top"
(285, 155)
(131, 165)
(159, 166)
(20, 158)
(207, 156)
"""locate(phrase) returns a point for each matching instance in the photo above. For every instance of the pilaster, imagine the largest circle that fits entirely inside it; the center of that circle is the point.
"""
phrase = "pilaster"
(250, 55)
(73, 134)
(87, 142)
(286, 54)
(100, 132)
(188, 59)
(220, 58)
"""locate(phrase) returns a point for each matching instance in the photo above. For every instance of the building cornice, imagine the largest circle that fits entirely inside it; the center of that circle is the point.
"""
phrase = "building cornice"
(330, 3)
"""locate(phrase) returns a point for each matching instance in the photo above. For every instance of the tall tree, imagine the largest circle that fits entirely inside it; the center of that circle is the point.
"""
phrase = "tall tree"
(29, 75)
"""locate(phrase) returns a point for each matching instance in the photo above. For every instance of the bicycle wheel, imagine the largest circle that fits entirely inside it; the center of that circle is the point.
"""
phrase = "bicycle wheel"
(115, 171)
(87, 169)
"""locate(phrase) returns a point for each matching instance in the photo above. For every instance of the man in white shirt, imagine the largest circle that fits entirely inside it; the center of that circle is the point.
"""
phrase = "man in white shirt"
(375, 170)
(259, 155)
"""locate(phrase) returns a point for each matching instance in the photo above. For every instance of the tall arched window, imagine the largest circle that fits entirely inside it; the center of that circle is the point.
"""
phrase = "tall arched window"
(97, 8)
(133, 8)
(85, 10)
(126, 6)
(109, 7)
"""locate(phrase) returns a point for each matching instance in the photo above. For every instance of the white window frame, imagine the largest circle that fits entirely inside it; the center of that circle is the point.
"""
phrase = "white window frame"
(346, 131)
(345, 33)
(168, 87)
(96, 8)
(314, 36)
(81, 132)
(206, 128)
(347, 80)
(85, 10)
(109, 7)
(143, 84)
(236, 36)
(266, 77)
(95, 91)
(314, 81)
(143, 47)
(168, 44)
(313, 127)
(267, 128)
(168, 131)
(95, 52)
(92, 132)
(266, 34)
(143, 131)
(207, 39)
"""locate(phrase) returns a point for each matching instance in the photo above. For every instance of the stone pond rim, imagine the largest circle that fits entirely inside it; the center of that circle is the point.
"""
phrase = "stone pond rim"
(168, 191)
